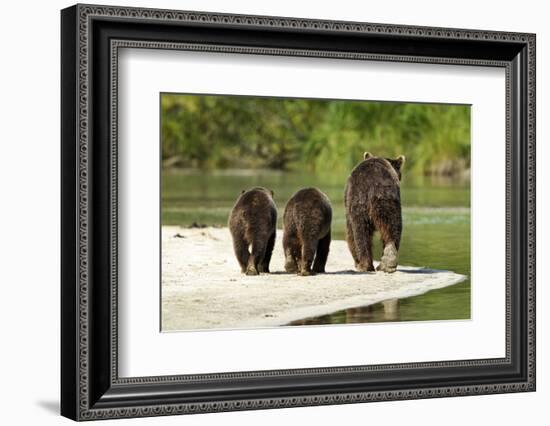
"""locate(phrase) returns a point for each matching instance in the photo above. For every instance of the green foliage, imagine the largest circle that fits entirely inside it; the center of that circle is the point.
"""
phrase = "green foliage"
(310, 134)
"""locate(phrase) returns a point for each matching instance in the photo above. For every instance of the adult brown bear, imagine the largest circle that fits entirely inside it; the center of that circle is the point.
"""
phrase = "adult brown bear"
(252, 223)
(307, 219)
(373, 203)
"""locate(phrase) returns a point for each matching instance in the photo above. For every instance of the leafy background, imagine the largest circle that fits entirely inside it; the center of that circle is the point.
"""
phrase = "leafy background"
(218, 132)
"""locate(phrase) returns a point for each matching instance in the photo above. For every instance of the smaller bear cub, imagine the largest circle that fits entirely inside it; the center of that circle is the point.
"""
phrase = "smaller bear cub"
(252, 223)
(307, 219)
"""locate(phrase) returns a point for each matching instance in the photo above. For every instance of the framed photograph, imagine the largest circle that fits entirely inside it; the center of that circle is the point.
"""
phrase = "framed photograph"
(263, 212)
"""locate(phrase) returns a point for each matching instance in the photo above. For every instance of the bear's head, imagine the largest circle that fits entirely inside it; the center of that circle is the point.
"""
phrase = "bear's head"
(396, 163)
(260, 188)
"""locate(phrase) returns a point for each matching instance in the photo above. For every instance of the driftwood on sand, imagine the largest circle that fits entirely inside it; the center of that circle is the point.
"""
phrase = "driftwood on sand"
(203, 288)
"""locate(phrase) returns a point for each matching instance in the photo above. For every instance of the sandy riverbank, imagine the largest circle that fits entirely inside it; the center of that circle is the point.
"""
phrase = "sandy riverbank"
(202, 287)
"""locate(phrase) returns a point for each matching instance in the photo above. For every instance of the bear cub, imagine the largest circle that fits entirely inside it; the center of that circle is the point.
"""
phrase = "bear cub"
(372, 200)
(307, 219)
(253, 223)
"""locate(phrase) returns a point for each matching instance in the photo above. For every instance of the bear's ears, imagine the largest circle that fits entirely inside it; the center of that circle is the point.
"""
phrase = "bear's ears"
(367, 155)
(400, 160)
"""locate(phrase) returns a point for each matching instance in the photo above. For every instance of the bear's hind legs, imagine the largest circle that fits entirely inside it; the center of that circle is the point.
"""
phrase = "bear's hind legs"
(291, 266)
(351, 241)
(308, 253)
(322, 254)
(362, 236)
(252, 269)
(264, 265)
(391, 237)
(256, 258)
(241, 252)
(388, 262)
(290, 246)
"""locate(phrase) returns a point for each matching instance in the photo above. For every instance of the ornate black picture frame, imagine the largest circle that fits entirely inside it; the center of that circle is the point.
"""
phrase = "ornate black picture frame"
(91, 36)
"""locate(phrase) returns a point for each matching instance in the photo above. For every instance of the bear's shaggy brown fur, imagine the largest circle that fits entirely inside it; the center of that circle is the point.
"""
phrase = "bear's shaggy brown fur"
(373, 203)
(252, 223)
(307, 219)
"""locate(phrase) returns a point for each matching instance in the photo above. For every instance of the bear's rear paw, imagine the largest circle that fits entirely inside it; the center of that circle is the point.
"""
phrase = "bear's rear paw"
(306, 273)
(251, 270)
(364, 268)
(263, 269)
(291, 267)
(319, 269)
(388, 262)
(386, 268)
